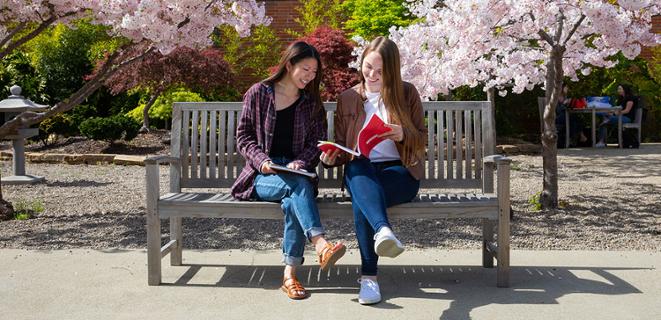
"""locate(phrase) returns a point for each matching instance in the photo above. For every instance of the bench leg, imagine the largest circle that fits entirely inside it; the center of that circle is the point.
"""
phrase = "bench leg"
(153, 250)
(503, 255)
(176, 234)
(487, 237)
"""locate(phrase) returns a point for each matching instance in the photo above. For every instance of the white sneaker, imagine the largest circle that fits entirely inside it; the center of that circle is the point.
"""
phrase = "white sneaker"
(600, 145)
(386, 244)
(369, 291)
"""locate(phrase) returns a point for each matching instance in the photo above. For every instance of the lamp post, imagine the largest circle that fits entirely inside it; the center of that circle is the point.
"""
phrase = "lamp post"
(10, 108)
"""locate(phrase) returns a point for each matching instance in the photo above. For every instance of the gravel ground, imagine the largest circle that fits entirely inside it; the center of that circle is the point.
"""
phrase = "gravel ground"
(611, 202)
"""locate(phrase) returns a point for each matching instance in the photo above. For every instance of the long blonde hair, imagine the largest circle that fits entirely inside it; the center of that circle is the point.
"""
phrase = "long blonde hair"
(392, 93)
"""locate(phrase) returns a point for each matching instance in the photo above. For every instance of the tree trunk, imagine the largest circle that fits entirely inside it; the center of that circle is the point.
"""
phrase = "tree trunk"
(145, 111)
(6, 209)
(554, 75)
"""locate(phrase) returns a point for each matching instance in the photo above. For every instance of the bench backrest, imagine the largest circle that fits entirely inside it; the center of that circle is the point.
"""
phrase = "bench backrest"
(460, 133)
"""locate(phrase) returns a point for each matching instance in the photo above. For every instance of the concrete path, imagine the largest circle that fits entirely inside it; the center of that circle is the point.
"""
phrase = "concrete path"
(433, 284)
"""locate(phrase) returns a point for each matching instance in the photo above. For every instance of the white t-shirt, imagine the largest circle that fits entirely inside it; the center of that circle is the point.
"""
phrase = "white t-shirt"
(386, 150)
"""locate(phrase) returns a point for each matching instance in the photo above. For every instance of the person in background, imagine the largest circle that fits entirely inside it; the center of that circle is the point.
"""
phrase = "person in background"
(627, 100)
(576, 135)
(282, 120)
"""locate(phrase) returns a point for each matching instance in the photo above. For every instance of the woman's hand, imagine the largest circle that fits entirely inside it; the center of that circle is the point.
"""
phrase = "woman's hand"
(266, 168)
(294, 166)
(329, 158)
(395, 134)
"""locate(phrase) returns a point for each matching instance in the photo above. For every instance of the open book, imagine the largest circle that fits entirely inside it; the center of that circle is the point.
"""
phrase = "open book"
(278, 167)
(368, 138)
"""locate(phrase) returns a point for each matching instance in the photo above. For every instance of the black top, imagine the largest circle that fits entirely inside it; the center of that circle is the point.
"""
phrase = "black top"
(623, 102)
(283, 136)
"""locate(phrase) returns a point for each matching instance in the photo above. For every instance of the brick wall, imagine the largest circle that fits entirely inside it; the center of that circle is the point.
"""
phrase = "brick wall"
(282, 13)
(656, 28)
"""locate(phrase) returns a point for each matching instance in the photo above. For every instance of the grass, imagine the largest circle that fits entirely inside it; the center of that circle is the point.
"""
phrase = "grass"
(533, 201)
(24, 209)
(536, 205)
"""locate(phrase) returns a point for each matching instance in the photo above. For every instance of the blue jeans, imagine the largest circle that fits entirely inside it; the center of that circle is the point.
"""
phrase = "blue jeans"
(296, 196)
(612, 119)
(373, 188)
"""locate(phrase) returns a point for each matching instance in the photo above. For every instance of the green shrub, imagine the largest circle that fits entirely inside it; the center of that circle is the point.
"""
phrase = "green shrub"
(316, 13)
(252, 55)
(162, 108)
(62, 55)
(372, 18)
(110, 129)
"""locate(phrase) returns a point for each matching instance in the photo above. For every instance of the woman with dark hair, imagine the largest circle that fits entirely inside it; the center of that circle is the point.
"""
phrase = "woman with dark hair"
(282, 120)
(391, 173)
(627, 100)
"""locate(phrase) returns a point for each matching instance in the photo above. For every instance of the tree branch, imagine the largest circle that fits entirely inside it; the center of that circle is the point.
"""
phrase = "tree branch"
(11, 34)
(26, 119)
(44, 24)
(558, 31)
(545, 36)
(574, 28)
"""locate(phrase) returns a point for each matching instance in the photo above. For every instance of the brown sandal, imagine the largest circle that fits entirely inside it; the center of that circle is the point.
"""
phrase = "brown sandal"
(330, 254)
(294, 289)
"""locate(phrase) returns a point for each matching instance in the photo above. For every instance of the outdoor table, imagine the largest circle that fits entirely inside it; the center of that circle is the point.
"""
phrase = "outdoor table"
(594, 111)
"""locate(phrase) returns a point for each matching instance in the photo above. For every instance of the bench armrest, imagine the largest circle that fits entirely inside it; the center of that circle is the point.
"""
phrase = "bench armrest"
(152, 175)
(496, 159)
(492, 162)
(162, 159)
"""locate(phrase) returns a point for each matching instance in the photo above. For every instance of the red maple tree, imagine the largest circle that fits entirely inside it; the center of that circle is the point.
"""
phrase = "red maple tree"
(335, 51)
(199, 70)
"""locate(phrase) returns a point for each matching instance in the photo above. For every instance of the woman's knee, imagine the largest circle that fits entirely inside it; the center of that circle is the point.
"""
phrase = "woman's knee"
(299, 184)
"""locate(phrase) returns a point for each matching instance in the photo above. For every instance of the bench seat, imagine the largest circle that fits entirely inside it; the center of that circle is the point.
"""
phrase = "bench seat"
(337, 205)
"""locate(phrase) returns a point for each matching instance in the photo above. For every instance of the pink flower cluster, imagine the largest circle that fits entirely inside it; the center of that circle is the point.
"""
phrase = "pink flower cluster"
(506, 44)
(166, 24)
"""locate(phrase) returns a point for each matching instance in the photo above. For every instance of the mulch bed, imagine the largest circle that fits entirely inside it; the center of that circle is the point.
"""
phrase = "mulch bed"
(153, 142)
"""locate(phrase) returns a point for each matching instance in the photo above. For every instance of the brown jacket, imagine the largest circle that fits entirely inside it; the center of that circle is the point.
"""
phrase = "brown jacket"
(350, 116)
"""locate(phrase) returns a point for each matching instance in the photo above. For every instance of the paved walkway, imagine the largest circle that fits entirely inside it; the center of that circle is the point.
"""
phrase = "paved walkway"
(434, 284)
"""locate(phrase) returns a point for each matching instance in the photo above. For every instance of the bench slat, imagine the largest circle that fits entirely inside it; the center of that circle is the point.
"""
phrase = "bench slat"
(430, 144)
(440, 145)
(185, 155)
(450, 123)
(458, 117)
(330, 205)
(477, 124)
(194, 144)
(213, 155)
(222, 151)
(203, 144)
(231, 132)
(469, 141)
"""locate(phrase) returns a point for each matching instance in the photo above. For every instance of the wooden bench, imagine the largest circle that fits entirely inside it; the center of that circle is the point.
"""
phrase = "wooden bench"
(460, 155)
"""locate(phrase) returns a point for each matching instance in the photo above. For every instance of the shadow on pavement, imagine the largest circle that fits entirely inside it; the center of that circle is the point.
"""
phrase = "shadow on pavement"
(466, 287)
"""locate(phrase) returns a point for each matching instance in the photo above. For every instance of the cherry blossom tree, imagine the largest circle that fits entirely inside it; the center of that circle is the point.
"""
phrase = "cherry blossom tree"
(146, 26)
(518, 44)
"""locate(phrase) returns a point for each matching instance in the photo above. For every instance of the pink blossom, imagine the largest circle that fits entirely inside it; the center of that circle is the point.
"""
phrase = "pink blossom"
(498, 43)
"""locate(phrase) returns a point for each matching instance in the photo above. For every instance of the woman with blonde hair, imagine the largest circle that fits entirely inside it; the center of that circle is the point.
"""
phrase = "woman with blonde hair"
(281, 122)
(390, 174)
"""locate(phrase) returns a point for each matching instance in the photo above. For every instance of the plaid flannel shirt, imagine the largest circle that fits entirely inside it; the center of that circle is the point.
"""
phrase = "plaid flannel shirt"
(254, 135)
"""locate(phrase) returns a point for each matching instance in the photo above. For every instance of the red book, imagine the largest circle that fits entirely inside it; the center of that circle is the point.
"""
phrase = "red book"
(368, 138)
